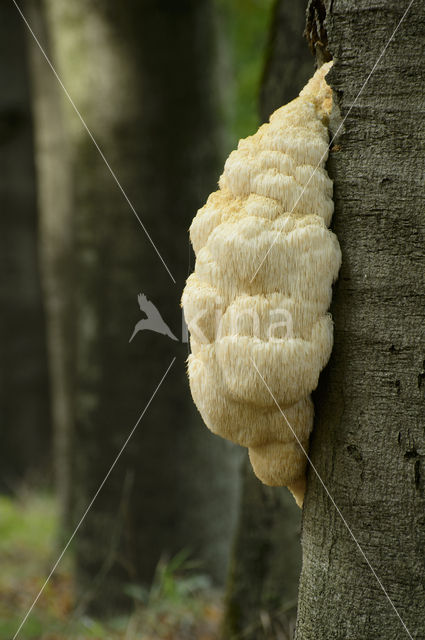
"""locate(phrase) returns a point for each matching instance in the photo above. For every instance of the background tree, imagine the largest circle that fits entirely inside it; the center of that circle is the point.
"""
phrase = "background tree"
(266, 562)
(143, 76)
(56, 231)
(368, 443)
(288, 64)
(24, 402)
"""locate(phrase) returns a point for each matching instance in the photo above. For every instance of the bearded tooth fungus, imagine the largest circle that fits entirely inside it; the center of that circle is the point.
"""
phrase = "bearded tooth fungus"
(273, 209)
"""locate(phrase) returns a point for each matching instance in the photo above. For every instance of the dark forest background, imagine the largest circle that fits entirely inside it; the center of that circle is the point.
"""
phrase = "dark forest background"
(182, 541)
(121, 516)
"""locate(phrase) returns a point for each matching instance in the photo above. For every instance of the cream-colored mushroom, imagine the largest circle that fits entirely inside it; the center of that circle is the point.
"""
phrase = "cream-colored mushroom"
(273, 209)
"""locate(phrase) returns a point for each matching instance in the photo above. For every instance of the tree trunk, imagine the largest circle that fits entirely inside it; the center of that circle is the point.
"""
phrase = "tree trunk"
(24, 401)
(266, 561)
(288, 65)
(261, 593)
(368, 443)
(55, 205)
(143, 76)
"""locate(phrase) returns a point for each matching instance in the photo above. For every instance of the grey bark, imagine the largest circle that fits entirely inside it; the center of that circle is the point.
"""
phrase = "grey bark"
(24, 402)
(266, 560)
(142, 75)
(368, 443)
(55, 205)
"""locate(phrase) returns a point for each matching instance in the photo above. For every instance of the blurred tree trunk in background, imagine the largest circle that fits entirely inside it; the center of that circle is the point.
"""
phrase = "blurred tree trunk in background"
(24, 403)
(143, 76)
(266, 562)
(55, 204)
(288, 63)
(262, 587)
(368, 443)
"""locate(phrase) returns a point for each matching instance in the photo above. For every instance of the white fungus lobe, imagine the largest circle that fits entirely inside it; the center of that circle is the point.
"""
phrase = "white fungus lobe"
(273, 209)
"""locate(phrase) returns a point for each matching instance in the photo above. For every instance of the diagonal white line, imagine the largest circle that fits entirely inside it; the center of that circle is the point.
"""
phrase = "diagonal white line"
(102, 155)
(92, 500)
(333, 502)
(337, 131)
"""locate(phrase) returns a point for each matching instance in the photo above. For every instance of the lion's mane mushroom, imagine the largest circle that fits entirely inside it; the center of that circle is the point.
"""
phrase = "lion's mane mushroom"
(274, 200)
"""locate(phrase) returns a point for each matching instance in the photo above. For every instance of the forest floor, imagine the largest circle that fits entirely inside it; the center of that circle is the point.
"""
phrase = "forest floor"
(180, 605)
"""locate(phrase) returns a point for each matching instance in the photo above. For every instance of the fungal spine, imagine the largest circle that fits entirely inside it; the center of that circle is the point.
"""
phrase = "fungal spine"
(273, 208)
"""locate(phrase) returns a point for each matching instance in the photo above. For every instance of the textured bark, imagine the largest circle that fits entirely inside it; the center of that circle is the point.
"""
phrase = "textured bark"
(368, 443)
(142, 75)
(24, 402)
(266, 561)
(55, 205)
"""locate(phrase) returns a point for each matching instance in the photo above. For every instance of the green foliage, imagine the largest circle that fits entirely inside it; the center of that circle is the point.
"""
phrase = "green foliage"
(180, 603)
(27, 535)
(177, 598)
(27, 521)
